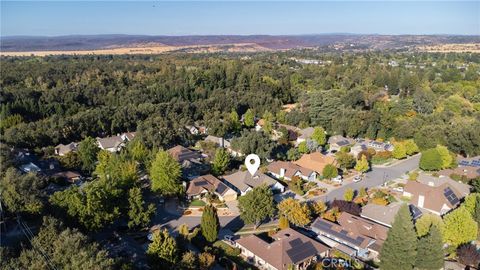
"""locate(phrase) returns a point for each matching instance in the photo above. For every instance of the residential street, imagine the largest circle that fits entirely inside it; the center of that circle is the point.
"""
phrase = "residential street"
(376, 177)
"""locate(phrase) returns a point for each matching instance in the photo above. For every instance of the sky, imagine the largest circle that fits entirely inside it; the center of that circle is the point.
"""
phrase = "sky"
(55, 18)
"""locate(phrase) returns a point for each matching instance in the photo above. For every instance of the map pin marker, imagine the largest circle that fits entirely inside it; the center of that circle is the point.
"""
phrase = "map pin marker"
(252, 168)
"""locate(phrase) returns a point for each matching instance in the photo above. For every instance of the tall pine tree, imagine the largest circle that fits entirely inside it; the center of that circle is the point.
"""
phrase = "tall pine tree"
(210, 224)
(400, 249)
(430, 251)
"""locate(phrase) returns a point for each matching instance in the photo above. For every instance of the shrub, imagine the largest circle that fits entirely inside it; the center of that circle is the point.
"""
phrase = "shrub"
(413, 176)
(380, 201)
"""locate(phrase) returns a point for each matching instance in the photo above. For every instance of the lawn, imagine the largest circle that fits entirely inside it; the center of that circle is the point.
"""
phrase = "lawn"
(197, 203)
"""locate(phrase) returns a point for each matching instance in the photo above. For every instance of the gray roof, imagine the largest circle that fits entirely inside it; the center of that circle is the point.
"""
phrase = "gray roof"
(306, 132)
(426, 179)
(383, 214)
(110, 142)
(242, 180)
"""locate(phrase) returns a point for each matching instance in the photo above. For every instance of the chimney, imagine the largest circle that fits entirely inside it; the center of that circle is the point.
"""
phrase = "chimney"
(282, 172)
(421, 200)
(431, 184)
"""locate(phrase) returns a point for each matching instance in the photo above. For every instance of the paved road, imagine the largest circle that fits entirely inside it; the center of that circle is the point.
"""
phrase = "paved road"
(376, 177)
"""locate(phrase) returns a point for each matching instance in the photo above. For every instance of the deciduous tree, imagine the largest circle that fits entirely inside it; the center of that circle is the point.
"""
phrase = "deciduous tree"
(165, 174)
(348, 195)
(21, 192)
(362, 164)
(296, 212)
(249, 118)
(162, 251)
(139, 214)
(459, 227)
(87, 152)
(221, 161)
(399, 150)
(257, 205)
(319, 136)
(330, 171)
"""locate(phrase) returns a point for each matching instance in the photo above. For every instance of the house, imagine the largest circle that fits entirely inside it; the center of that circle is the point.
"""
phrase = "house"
(438, 198)
(259, 125)
(287, 170)
(315, 161)
(191, 161)
(209, 183)
(223, 143)
(111, 144)
(242, 182)
(288, 249)
(353, 235)
(181, 154)
(192, 129)
(115, 143)
(469, 172)
(364, 144)
(385, 214)
(382, 214)
(305, 134)
(337, 141)
(62, 150)
(69, 176)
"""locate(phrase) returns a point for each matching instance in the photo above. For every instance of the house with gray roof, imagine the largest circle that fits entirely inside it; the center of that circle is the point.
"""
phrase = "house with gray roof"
(63, 149)
(242, 182)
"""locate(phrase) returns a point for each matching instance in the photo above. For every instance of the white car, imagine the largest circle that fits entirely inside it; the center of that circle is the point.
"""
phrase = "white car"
(338, 179)
(357, 178)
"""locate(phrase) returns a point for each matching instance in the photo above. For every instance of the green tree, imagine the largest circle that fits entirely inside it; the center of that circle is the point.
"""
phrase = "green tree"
(362, 164)
(296, 212)
(362, 192)
(399, 150)
(293, 154)
(249, 118)
(345, 160)
(257, 205)
(426, 222)
(430, 251)
(445, 156)
(162, 251)
(65, 249)
(235, 124)
(87, 152)
(459, 227)
(411, 147)
(330, 171)
(139, 214)
(319, 136)
(221, 161)
(302, 147)
(206, 260)
(210, 224)
(348, 195)
(94, 205)
(137, 151)
(252, 142)
(431, 160)
(165, 174)
(400, 247)
(476, 213)
(21, 192)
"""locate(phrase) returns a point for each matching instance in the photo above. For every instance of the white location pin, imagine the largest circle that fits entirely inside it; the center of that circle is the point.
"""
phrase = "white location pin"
(252, 168)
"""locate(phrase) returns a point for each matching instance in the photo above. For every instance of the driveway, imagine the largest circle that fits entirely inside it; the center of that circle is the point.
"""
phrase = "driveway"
(376, 177)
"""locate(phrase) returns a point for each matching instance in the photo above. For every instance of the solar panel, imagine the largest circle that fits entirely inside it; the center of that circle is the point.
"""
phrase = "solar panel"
(416, 213)
(451, 197)
(221, 188)
(300, 253)
(296, 242)
(201, 183)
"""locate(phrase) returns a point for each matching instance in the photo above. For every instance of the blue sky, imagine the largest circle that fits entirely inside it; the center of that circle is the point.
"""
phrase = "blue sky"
(238, 18)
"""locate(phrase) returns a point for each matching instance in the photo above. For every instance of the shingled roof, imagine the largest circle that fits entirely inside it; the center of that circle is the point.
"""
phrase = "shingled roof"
(206, 182)
(288, 248)
(242, 180)
(181, 153)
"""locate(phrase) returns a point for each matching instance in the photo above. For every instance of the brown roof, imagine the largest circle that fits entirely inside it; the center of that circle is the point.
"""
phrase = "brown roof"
(290, 168)
(434, 195)
(362, 226)
(315, 161)
(289, 247)
(181, 153)
(69, 175)
(207, 182)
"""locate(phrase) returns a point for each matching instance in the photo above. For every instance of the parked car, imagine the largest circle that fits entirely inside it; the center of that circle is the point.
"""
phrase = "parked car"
(398, 189)
(357, 178)
(338, 179)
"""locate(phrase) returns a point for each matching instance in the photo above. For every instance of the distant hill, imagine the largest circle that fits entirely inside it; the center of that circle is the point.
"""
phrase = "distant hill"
(219, 42)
